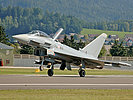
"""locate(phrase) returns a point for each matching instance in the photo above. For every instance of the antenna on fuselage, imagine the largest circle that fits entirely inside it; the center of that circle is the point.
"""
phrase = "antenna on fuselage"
(57, 34)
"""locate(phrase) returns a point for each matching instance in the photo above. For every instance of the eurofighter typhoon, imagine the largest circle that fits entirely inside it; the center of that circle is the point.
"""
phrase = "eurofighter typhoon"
(53, 52)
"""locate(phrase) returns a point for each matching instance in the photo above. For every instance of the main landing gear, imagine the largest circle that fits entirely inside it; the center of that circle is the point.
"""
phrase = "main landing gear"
(82, 73)
(50, 71)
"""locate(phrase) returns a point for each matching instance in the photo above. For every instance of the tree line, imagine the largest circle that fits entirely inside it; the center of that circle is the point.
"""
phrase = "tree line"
(89, 10)
(3, 37)
(119, 50)
(119, 25)
(21, 20)
(72, 43)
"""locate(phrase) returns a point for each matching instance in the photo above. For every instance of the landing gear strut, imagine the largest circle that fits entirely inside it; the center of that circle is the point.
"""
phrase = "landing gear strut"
(41, 68)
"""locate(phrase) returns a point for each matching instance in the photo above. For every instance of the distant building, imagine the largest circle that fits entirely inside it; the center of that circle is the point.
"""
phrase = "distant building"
(91, 37)
(61, 38)
(6, 54)
(128, 39)
(81, 36)
(111, 38)
(129, 42)
(129, 36)
(72, 34)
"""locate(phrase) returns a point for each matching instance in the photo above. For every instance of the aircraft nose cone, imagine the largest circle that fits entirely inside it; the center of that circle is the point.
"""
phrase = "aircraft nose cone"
(21, 38)
(15, 36)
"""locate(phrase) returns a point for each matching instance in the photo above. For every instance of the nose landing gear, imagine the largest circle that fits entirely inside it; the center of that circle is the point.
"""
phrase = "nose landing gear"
(50, 72)
(41, 68)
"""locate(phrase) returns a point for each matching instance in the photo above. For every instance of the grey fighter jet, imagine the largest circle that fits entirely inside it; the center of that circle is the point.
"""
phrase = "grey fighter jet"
(53, 52)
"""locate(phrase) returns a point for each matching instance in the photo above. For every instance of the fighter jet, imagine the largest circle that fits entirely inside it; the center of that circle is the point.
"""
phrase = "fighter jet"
(52, 52)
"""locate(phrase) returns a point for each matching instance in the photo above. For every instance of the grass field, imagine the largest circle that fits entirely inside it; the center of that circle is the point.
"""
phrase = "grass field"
(4, 71)
(66, 94)
(94, 31)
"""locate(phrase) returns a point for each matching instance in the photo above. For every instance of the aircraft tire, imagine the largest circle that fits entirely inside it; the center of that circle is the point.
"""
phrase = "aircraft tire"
(50, 72)
(41, 68)
(82, 73)
(62, 68)
(63, 65)
(48, 66)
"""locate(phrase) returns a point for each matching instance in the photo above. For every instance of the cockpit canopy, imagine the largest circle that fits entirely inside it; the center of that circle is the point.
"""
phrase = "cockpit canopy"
(39, 33)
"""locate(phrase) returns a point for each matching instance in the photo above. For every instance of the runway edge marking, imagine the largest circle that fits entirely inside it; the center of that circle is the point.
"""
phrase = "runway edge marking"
(65, 84)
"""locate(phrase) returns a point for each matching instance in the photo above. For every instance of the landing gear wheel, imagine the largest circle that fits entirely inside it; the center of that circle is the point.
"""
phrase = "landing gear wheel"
(82, 73)
(63, 65)
(50, 72)
(62, 68)
(48, 66)
(41, 68)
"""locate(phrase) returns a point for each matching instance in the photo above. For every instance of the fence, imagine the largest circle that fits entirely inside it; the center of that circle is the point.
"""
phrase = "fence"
(24, 60)
(26, 56)
(28, 60)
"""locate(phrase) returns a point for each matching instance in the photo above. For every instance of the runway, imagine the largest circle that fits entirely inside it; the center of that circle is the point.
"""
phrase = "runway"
(66, 82)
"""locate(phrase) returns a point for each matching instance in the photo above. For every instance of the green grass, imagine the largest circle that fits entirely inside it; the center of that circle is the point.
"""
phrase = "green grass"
(4, 71)
(66, 94)
(94, 31)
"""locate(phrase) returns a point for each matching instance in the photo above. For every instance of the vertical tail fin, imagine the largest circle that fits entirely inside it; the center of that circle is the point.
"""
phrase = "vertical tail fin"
(57, 33)
(95, 46)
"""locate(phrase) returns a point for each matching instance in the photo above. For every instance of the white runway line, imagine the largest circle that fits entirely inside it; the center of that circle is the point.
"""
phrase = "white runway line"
(107, 76)
(66, 84)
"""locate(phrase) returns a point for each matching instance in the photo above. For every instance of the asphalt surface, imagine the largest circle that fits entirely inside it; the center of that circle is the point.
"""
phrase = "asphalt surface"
(66, 82)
